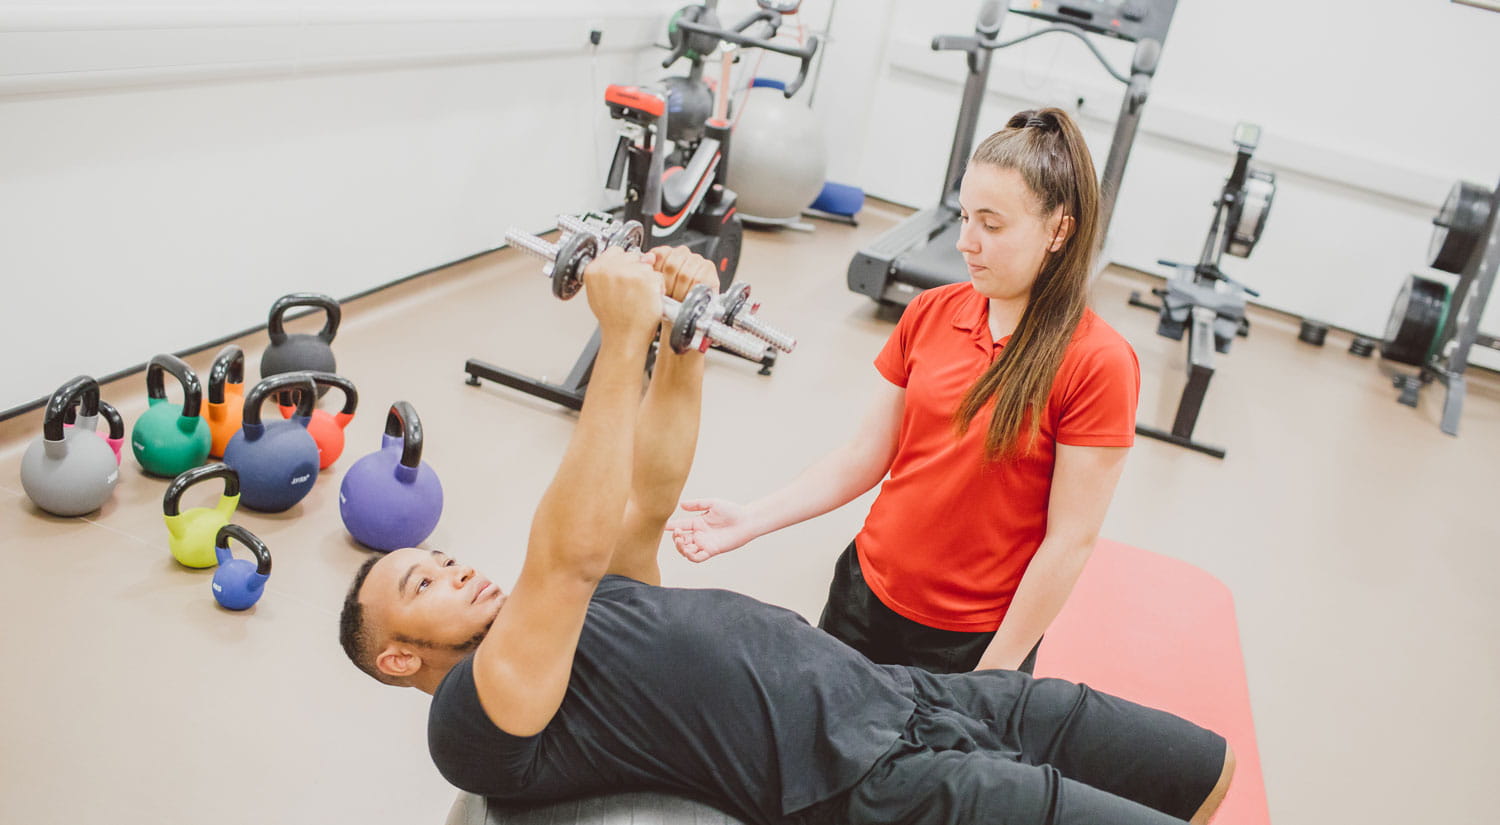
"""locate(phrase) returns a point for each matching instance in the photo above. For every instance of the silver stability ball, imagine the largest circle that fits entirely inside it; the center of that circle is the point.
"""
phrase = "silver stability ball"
(777, 164)
(609, 809)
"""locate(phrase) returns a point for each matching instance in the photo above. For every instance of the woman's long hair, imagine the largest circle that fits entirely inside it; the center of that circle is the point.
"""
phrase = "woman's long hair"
(1046, 147)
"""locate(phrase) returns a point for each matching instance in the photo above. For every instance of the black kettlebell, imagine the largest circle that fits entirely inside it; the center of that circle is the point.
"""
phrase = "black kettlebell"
(296, 352)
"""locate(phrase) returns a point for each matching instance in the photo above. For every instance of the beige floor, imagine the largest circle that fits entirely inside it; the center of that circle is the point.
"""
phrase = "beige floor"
(1355, 536)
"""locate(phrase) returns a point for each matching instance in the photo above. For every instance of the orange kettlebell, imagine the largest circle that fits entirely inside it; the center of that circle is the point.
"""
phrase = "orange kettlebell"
(226, 397)
(327, 429)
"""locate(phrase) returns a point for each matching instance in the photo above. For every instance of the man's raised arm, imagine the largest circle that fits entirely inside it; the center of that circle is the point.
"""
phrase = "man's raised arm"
(521, 668)
(667, 435)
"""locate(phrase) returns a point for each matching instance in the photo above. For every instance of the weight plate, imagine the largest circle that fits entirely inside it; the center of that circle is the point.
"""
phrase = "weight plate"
(573, 256)
(1458, 225)
(1416, 319)
(694, 311)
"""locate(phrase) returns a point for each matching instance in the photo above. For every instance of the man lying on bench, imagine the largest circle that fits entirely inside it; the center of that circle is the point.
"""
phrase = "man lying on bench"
(590, 677)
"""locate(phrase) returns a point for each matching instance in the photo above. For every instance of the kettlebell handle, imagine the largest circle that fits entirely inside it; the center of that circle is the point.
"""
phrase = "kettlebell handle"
(112, 415)
(351, 396)
(277, 329)
(107, 410)
(62, 401)
(171, 503)
(402, 422)
(192, 391)
(251, 542)
(307, 393)
(228, 368)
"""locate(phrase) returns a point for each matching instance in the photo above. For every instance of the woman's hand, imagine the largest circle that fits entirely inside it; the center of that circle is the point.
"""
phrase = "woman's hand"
(715, 527)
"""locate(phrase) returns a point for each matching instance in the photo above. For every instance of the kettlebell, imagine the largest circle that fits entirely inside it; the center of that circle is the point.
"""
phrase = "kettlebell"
(291, 353)
(327, 428)
(70, 472)
(169, 438)
(114, 436)
(277, 462)
(391, 498)
(226, 398)
(239, 584)
(192, 534)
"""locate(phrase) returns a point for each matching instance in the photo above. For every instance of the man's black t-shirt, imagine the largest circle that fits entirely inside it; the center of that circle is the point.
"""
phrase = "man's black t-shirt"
(705, 692)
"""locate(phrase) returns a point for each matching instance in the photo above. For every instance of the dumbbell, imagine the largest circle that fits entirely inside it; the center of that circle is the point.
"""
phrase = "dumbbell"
(693, 326)
(732, 308)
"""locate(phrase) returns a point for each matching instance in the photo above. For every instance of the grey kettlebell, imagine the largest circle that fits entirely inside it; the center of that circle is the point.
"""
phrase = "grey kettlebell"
(299, 351)
(70, 471)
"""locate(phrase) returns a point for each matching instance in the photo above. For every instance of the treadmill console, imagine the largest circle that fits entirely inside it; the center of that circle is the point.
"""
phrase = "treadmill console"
(1129, 20)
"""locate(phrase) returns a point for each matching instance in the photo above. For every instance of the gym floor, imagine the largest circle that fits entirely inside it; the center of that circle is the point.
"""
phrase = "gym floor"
(1349, 528)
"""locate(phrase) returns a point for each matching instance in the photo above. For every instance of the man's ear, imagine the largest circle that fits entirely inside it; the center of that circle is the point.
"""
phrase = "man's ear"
(1065, 227)
(398, 660)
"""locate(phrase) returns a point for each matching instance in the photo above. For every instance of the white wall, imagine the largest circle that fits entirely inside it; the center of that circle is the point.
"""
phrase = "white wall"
(169, 170)
(1370, 110)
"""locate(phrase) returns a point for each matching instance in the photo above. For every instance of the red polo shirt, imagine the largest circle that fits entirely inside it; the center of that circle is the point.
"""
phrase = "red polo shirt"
(950, 535)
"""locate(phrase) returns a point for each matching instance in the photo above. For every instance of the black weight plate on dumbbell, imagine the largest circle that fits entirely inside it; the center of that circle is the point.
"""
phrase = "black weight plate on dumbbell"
(1416, 319)
(694, 311)
(1458, 225)
(573, 256)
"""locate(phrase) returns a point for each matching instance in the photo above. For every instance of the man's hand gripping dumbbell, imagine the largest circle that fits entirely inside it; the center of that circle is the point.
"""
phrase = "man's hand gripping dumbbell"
(700, 320)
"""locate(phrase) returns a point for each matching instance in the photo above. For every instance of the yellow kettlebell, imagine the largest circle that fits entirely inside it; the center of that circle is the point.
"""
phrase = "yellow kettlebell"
(192, 533)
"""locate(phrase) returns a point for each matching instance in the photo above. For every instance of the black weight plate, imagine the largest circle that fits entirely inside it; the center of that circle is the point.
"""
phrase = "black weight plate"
(1458, 225)
(1416, 319)
(573, 256)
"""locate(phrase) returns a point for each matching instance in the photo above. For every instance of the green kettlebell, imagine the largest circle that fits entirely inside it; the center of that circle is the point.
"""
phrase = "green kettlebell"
(192, 534)
(171, 438)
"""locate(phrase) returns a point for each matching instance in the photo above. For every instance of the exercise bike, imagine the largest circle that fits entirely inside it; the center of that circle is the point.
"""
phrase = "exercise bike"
(1201, 300)
(670, 162)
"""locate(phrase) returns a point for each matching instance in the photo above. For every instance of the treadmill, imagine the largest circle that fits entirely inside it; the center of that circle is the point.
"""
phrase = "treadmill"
(919, 253)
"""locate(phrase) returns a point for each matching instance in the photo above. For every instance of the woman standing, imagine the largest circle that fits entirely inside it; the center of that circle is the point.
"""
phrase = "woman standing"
(1004, 423)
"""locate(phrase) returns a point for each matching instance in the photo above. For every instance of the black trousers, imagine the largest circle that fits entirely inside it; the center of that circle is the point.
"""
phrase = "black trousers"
(996, 746)
(858, 618)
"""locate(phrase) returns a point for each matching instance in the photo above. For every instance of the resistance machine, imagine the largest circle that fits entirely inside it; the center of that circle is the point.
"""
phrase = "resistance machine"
(670, 163)
(1199, 300)
(919, 253)
(1423, 330)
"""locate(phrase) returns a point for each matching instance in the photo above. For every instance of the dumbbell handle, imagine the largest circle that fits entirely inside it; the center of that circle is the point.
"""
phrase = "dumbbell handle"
(748, 322)
(545, 250)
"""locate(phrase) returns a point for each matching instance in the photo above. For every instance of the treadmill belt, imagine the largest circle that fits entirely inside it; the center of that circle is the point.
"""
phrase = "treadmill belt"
(933, 264)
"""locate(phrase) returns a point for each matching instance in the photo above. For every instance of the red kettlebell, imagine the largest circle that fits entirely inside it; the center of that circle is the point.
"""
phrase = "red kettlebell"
(226, 398)
(327, 429)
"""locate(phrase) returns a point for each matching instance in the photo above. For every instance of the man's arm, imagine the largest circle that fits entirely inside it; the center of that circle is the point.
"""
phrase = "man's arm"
(522, 667)
(667, 436)
(1083, 482)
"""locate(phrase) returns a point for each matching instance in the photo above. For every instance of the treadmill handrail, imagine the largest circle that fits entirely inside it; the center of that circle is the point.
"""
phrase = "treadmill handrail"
(966, 42)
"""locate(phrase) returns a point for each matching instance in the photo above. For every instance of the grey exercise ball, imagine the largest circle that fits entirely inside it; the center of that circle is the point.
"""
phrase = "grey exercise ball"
(609, 809)
(777, 164)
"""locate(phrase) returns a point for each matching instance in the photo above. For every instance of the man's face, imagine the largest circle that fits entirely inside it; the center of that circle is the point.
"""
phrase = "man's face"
(425, 598)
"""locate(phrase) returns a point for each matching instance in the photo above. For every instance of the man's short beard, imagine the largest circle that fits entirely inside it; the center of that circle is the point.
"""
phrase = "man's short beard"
(465, 646)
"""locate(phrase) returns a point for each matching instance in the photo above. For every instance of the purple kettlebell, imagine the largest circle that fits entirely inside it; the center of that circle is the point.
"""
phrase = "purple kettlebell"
(391, 498)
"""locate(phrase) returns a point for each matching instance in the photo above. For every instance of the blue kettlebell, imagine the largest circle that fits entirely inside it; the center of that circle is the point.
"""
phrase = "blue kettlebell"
(277, 462)
(392, 498)
(238, 584)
